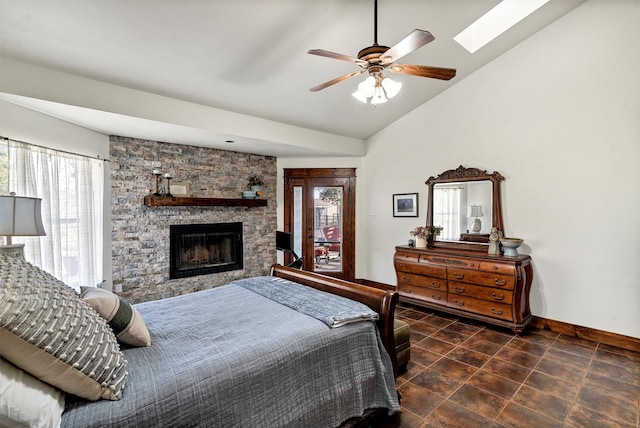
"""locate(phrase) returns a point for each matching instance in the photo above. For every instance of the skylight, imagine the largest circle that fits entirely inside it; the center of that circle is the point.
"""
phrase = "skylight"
(503, 16)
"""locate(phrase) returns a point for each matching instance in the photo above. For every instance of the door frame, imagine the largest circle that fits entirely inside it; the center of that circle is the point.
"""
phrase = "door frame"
(308, 178)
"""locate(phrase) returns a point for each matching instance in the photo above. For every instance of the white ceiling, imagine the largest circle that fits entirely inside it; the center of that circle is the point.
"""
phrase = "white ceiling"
(246, 56)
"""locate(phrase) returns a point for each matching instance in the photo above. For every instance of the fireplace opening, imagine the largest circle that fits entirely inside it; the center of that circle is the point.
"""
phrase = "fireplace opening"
(200, 249)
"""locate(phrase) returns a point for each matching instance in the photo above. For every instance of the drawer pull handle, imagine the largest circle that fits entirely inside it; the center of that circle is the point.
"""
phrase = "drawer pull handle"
(459, 289)
(493, 310)
(406, 290)
(500, 282)
(406, 279)
(459, 303)
(436, 297)
(435, 284)
(495, 267)
(458, 275)
(500, 297)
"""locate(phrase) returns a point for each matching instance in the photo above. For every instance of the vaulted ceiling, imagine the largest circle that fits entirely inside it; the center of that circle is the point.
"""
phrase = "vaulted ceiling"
(243, 56)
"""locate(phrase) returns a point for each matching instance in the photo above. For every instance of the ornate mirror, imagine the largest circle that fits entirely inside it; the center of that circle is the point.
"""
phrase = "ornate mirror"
(464, 204)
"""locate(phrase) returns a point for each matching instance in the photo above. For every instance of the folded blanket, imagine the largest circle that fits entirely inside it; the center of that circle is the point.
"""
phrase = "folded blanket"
(333, 310)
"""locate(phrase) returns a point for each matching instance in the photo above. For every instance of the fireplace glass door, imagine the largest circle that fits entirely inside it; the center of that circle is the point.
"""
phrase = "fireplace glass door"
(198, 249)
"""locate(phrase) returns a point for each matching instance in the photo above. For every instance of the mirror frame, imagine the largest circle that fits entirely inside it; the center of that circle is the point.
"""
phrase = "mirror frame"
(462, 174)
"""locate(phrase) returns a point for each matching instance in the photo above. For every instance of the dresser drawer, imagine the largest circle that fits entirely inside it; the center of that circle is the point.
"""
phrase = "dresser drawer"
(423, 293)
(482, 278)
(407, 262)
(498, 268)
(402, 256)
(498, 295)
(405, 266)
(424, 281)
(454, 262)
(483, 307)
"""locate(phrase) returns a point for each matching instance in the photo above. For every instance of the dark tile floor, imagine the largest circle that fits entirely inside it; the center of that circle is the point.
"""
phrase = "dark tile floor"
(466, 374)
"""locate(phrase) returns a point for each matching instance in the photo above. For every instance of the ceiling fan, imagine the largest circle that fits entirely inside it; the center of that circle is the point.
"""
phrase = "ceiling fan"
(377, 58)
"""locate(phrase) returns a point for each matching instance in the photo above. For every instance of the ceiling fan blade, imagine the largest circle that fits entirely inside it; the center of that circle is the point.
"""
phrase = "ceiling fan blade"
(336, 80)
(329, 54)
(416, 39)
(424, 71)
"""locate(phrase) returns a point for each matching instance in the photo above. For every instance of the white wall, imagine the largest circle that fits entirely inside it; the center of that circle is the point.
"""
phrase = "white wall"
(26, 125)
(559, 117)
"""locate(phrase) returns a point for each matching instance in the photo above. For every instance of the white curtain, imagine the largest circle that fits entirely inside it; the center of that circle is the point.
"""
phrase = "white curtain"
(71, 188)
(446, 211)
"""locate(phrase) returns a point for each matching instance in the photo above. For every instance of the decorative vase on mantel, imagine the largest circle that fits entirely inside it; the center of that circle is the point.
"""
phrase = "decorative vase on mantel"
(255, 184)
(257, 190)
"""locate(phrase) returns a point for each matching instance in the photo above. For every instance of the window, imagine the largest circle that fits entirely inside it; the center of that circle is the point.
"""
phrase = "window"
(447, 203)
(71, 188)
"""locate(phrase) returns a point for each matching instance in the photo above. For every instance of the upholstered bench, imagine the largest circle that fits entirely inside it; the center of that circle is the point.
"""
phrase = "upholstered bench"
(402, 334)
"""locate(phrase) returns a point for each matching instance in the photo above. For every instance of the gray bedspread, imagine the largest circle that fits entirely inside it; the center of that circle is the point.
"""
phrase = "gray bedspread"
(229, 357)
(333, 310)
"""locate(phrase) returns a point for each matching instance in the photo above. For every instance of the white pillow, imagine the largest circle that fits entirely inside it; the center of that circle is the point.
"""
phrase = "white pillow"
(26, 401)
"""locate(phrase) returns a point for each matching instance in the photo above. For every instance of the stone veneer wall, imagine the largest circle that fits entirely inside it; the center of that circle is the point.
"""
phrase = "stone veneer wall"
(141, 234)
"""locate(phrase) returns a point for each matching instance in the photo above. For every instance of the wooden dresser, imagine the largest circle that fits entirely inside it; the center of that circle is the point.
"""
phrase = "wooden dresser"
(484, 287)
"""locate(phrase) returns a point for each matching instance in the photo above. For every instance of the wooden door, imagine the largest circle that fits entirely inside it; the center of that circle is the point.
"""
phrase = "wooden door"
(320, 214)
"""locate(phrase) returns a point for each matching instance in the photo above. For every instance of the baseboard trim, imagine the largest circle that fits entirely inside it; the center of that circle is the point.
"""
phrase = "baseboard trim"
(595, 335)
(587, 333)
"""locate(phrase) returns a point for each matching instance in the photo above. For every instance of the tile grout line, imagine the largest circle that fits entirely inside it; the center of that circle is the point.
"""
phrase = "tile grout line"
(445, 399)
(533, 369)
(549, 346)
(493, 420)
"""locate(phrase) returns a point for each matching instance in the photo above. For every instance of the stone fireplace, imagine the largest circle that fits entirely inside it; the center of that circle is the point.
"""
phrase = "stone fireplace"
(141, 241)
(200, 249)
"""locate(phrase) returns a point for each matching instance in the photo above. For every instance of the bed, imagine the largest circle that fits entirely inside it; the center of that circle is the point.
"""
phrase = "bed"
(265, 351)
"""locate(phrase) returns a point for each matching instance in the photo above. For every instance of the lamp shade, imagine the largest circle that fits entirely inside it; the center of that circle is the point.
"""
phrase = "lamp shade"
(475, 211)
(391, 87)
(378, 96)
(20, 216)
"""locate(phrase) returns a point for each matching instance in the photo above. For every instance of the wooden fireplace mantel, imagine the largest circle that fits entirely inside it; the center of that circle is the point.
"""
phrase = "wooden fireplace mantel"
(168, 201)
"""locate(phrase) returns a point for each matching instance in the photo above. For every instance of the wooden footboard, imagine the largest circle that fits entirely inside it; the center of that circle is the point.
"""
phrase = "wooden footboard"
(382, 301)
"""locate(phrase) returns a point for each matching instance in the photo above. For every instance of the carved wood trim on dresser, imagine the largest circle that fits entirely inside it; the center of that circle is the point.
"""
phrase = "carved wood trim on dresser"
(484, 287)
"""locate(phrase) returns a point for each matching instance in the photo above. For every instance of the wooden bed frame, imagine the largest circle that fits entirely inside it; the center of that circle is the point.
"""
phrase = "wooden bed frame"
(382, 301)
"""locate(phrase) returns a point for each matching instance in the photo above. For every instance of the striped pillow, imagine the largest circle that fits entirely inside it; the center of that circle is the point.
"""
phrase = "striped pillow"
(125, 320)
(49, 332)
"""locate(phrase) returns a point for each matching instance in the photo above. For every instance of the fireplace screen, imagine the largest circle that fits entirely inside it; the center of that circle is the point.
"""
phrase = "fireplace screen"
(199, 249)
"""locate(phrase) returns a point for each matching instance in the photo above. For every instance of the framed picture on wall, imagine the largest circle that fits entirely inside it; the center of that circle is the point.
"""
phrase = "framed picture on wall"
(405, 205)
(180, 189)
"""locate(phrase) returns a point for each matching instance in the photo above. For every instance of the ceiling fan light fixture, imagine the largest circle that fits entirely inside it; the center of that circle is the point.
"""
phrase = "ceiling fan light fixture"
(366, 89)
(391, 87)
(367, 86)
(378, 96)
(359, 96)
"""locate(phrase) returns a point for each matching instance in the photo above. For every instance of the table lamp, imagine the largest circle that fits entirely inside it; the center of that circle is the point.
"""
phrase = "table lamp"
(19, 216)
(475, 211)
